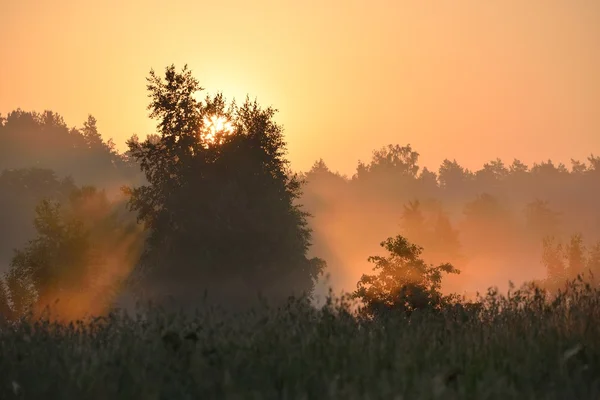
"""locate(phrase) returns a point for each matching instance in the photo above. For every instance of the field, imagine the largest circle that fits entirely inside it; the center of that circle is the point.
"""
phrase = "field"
(516, 347)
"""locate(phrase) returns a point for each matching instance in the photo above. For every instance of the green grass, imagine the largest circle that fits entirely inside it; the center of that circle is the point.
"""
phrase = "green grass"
(517, 348)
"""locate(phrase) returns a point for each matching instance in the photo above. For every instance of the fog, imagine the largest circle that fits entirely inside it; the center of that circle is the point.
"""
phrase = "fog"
(489, 223)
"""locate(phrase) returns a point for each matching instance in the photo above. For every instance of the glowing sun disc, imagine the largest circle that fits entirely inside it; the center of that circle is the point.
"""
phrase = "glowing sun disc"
(214, 125)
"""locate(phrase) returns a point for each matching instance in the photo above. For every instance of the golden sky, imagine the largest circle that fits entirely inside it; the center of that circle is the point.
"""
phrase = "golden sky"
(465, 79)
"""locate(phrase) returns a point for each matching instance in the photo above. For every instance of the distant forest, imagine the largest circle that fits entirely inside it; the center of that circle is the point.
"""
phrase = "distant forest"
(179, 213)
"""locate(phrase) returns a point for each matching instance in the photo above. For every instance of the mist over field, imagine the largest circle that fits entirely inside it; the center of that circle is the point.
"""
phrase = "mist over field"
(489, 223)
(299, 200)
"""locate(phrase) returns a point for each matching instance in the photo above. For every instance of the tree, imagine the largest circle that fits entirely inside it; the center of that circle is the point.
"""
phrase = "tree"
(392, 159)
(541, 219)
(578, 167)
(322, 187)
(321, 178)
(413, 222)
(43, 140)
(219, 205)
(79, 258)
(487, 225)
(575, 254)
(492, 172)
(392, 173)
(90, 132)
(593, 262)
(428, 183)
(51, 264)
(553, 260)
(453, 177)
(428, 224)
(20, 191)
(5, 309)
(518, 168)
(594, 163)
(404, 282)
(447, 242)
(20, 292)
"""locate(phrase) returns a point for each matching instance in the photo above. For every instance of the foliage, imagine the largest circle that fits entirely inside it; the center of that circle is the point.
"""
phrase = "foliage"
(69, 259)
(6, 312)
(541, 219)
(20, 191)
(392, 159)
(428, 224)
(51, 264)
(499, 213)
(44, 140)
(404, 281)
(220, 209)
(565, 262)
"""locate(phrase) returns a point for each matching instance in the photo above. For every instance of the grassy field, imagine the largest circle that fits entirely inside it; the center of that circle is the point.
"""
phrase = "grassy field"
(515, 348)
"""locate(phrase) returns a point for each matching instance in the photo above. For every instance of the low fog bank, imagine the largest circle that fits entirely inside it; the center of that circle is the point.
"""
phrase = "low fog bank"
(489, 223)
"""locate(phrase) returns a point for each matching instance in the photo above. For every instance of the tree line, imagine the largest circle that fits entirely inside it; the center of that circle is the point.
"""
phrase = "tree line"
(492, 223)
(200, 210)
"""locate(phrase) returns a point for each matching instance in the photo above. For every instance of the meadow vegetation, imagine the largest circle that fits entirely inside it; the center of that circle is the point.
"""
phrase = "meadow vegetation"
(510, 347)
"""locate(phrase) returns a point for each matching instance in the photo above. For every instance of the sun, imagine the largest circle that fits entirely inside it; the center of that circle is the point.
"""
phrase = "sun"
(215, 127)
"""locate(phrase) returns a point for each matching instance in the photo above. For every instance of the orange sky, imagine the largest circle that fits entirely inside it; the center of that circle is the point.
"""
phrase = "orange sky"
(464, 79)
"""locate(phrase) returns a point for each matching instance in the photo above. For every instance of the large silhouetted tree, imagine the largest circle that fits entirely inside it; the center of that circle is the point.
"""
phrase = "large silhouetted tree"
(219, 204)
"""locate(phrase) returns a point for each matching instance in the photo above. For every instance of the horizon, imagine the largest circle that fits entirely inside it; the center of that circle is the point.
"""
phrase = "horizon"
(483, 81)
(566, 160)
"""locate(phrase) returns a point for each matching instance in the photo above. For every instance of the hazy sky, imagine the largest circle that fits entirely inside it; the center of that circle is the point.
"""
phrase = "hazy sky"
(465, 79)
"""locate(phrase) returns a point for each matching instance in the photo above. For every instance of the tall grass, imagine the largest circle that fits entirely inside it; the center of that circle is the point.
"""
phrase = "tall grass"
(525, 345)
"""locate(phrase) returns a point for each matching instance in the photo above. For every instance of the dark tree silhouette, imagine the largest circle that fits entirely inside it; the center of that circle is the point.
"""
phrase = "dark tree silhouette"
(392, 172)
(219, 206)
(30, 139)
(491, 176)
(453, 177)
(392, 159)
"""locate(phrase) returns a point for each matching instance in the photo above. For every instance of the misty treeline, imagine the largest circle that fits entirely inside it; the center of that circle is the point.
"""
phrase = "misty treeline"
(504, 222)
(189, 214)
